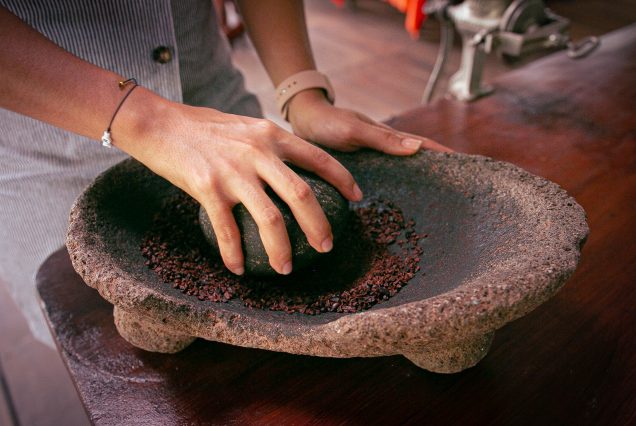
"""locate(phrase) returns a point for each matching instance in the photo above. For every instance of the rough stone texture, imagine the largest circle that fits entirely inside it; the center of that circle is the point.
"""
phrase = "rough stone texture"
(148, 334)
(334, 205)
(451, 358)
(501, 242)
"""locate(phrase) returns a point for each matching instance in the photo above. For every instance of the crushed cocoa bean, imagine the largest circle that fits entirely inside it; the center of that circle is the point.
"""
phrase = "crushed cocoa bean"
(371, 263)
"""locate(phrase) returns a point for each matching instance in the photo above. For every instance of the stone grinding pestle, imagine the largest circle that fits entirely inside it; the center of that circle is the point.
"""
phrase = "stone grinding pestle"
(336, 209)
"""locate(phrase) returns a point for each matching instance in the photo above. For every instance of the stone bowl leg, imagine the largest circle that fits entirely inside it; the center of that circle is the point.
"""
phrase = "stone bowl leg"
(148, 334)
(453, 357)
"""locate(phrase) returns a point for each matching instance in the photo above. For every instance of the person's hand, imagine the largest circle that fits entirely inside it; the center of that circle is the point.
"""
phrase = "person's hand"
(313, 118)
(222, 160)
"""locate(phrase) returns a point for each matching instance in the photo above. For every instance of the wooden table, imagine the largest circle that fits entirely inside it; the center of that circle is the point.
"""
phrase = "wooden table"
(572, 361)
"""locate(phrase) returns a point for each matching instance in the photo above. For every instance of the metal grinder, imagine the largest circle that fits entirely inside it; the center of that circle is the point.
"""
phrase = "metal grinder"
(512, 28)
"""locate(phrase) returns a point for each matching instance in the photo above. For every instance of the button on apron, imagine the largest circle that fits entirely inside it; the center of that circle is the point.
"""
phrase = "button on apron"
(162, 54)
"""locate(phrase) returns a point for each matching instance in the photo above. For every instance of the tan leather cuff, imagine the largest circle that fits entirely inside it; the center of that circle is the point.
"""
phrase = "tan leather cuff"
(304, 80)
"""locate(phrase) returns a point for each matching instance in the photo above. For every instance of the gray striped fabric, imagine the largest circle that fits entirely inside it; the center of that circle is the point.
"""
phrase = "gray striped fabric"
(43, 169)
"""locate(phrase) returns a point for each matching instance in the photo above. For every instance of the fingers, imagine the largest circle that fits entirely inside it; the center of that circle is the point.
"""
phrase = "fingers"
(271, 226)
(319, 162)
(268, 218)
(426, 142)
(227, 234)
(384, 140)
(429, 143)
(302, 201)
(390, 141)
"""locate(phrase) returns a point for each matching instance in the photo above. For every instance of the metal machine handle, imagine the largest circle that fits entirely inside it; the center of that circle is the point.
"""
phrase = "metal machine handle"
(583, 47)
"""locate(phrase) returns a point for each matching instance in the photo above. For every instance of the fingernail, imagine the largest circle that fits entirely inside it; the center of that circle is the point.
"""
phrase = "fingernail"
(357, 192)
(287, 268)
(327, 245)
(238, 271)
(410, 143)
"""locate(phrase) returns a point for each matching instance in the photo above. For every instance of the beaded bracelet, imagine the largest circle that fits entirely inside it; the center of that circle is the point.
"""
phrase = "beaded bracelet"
(106, 139)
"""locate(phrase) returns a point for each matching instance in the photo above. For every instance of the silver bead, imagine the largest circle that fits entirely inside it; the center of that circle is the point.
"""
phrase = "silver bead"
(106, 140)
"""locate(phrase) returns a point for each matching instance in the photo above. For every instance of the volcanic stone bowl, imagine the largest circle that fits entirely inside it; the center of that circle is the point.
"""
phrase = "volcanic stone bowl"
(501, 242)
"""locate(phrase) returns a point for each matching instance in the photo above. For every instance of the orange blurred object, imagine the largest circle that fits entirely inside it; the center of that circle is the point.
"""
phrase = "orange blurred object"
(415, 15)
(414, 10)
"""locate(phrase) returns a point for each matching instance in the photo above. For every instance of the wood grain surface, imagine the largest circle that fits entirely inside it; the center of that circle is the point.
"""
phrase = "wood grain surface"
(571, 361)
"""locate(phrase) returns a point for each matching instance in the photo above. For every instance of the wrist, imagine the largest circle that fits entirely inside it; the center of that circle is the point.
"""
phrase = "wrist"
(140, 122)
(302, 101)
(300, 82)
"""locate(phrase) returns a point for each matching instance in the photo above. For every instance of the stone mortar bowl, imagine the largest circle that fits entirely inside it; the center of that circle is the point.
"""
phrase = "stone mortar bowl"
(501, 242)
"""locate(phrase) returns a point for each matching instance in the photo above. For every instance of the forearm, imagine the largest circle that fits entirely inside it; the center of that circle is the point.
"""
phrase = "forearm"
(279, 34)
(45, 82)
